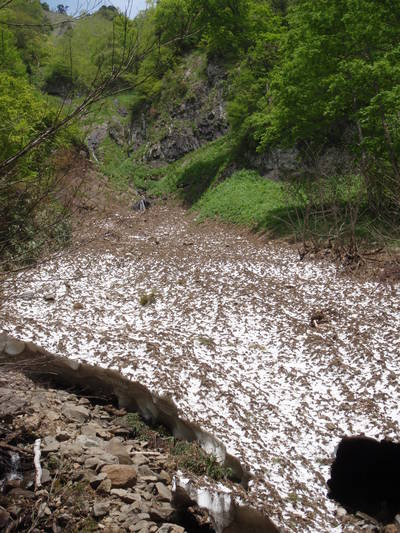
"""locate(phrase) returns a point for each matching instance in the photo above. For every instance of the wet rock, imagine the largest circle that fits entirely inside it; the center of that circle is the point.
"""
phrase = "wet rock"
(76, 413)
(101, 509)
(121, 476)
(164, 493)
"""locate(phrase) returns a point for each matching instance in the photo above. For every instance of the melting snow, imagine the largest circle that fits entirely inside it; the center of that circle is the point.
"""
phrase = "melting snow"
(229, 339)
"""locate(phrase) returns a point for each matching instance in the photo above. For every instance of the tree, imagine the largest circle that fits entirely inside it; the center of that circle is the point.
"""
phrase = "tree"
(62, 9)
(339, 71)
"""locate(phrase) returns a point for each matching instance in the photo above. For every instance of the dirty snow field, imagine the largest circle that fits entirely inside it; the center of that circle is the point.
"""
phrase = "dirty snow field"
(229, 339)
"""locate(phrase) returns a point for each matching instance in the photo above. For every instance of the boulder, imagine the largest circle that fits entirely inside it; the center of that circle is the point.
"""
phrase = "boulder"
(121, 476)
(116, 448)
(75, 413)
(164, 493)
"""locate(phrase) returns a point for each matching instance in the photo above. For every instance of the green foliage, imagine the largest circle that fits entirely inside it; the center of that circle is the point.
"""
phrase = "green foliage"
(175, 22)
(190, 456)
(340, 68)
(244, 198)
(249, 78)
(80, 55)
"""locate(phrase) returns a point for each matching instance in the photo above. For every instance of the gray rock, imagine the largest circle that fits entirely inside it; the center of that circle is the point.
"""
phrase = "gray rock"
(97, 480)
(141, 525)
(162, 512)
(76, 413)
(104, 487)
(50, 444)
(125, 495)
(171, 528)
(139, 459)
(100, 509)
(164, 493)
(116, 448)
(46, 478)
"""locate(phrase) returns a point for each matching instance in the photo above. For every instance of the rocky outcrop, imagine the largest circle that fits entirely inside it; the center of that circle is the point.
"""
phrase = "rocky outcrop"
(185, 123)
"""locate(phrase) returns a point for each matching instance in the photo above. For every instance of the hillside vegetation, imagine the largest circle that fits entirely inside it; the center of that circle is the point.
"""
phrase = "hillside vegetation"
(278, 114)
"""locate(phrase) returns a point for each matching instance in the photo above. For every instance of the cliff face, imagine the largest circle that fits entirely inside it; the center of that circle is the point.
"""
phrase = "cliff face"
(189, 112)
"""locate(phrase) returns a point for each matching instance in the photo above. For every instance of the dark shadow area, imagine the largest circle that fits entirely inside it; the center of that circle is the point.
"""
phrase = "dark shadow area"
(365, 477)
(197, 177)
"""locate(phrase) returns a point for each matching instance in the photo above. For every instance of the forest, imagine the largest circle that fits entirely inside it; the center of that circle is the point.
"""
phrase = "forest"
(306, 93)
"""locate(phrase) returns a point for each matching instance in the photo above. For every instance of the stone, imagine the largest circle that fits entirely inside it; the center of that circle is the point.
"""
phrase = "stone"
(104, 487)
(21, 493)
(52, 416)
(46, 478)
(115, 447)
(100, 509)
(125, 495)
(164, 492)
(142, 524)
(162, 513)
(88, 443)
(50, 444)
(14, 347)
(97, 480)
(139, 459)
(390, 528)
(4, 518)
(165, 476)
(171, 528)
(93, 463)
(76, 413)
(341, 512)
(144, 470)
(63, 436)
(121, 476)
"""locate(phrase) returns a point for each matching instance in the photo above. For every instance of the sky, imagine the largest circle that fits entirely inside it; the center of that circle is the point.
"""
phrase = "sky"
(137, 5)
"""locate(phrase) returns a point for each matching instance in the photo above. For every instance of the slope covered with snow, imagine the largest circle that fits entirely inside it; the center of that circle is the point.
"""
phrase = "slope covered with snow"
(229, 339)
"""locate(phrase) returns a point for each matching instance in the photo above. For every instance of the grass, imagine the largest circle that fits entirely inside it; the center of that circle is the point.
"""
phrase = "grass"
(187, 455)
(190, 456)
(244, 198)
